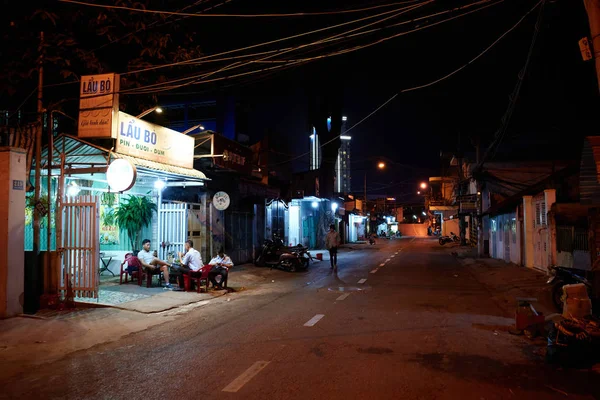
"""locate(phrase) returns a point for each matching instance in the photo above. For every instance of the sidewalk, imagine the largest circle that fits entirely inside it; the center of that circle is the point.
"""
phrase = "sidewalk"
(507, 281)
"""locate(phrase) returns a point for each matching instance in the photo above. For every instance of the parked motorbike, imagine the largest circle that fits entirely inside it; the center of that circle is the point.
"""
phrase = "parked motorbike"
(562, 276)
(275, 255)
(449, 239)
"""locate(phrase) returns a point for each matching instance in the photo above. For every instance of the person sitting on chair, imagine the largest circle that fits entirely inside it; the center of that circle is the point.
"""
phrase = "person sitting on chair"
(152, 263)
(191, 261)
(221, 264)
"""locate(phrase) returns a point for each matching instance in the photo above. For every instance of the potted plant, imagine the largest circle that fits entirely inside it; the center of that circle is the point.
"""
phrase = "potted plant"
(133, 214)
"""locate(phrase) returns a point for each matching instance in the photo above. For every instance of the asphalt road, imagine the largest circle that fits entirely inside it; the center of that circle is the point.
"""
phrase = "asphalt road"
(400, 320)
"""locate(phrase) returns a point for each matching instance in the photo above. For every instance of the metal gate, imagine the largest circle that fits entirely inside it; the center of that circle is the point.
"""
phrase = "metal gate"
(80, 255)
(172, 229)
(239, 241)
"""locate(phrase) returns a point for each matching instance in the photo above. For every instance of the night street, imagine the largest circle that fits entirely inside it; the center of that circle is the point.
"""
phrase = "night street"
(420, 327)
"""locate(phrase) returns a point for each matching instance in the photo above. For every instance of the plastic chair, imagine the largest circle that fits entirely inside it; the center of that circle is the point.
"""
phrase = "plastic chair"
(128, 273)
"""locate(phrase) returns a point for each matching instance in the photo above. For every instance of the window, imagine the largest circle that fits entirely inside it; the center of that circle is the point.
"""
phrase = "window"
(494, 228)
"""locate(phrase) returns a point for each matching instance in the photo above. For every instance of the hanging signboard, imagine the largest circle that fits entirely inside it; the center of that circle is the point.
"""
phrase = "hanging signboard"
(142, 139)
(98, 106)
(235, 155)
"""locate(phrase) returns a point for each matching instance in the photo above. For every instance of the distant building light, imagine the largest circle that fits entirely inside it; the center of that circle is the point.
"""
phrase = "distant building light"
(315, 204)
(344, 118)
(344, 137)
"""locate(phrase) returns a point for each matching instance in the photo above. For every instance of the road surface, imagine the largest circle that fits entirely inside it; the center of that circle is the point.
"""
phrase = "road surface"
(399, 320)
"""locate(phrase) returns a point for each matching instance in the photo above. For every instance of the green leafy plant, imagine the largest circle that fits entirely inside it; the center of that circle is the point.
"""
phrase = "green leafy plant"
(108, 216)
(108, 198)
(133, 214)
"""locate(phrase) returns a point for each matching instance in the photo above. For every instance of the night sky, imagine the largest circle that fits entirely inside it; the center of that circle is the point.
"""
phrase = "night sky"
(558, 101)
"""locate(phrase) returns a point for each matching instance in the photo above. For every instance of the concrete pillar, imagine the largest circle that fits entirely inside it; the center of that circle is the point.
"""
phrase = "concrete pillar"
(12, 226)
(528, 224)
(550, 199)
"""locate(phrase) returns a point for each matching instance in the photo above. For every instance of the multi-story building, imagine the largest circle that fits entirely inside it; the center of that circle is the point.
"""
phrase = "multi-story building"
(343, 178)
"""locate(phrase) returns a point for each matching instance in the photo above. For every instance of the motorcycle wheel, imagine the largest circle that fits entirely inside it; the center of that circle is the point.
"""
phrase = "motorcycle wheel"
(442, 242)
(557, 292)
(292, 267)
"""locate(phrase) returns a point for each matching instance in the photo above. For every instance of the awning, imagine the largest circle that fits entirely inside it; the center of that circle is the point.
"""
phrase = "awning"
(82, 156)
(160, 168)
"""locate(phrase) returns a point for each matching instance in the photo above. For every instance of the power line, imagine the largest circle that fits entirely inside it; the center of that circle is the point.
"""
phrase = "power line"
(172, 13)
(260, 44)
(238, 64)
(501, 132)
(154, 23)
(344, 51)
(432, 82)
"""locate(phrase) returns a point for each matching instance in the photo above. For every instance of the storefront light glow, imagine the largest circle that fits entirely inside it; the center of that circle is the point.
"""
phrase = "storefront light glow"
(73, 189)
(159, 184)
(121, 175)
(334, 206)
(315, 204)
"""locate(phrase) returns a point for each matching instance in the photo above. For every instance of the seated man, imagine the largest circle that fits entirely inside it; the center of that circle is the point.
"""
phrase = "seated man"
(190, 262)
(221, 264)
(152, 263)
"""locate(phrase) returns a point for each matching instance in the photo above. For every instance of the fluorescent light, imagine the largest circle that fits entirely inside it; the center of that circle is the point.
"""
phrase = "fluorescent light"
(344, 118)
(344, 137)
(159, 184)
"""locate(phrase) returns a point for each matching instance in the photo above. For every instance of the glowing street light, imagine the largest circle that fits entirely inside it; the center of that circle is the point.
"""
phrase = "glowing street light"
(381, 165)
(148, 111)
(423, 185)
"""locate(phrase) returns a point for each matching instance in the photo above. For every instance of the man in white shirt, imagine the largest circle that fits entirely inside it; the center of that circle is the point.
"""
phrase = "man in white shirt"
(191, 261)
(221, 264)
(150, 262)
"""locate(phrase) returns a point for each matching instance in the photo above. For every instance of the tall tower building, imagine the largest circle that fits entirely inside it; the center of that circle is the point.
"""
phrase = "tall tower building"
(343, 179)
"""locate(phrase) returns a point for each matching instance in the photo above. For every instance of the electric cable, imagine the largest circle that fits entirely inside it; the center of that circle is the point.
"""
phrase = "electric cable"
(267, 15)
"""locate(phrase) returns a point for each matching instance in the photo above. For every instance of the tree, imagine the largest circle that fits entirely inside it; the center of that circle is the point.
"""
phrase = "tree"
(133, 214)
(81, 40)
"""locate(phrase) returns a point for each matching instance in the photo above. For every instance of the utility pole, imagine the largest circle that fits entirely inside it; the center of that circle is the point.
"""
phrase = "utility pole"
(368, 222)
(592, 7)
(38, 148)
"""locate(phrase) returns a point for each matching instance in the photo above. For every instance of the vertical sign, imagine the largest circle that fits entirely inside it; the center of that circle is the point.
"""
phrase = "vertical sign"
(98, 106)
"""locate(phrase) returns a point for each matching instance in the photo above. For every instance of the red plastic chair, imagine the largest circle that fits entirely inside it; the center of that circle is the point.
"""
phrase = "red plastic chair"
(133, 274)
(200, 279)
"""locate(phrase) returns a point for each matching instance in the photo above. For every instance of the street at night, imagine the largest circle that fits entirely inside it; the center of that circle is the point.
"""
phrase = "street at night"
(401, 319)
(345, 199)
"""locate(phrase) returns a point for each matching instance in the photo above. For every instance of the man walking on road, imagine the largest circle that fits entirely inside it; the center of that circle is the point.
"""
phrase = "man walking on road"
(332, 242)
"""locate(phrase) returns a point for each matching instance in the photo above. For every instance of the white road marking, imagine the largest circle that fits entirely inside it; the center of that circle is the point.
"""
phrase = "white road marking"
(388, 260)
(363, 280)
(342, 297)
(393, 255)
(374, 270)
(246, 376)
(314, 320)
(382, 264)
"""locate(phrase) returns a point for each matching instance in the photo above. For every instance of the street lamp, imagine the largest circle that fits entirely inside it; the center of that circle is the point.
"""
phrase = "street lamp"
(148, 111)
(381, 165)
(423, 185)
(192, 128)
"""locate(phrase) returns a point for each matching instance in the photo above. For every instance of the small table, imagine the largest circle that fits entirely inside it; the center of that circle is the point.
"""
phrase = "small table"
(105, 264)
